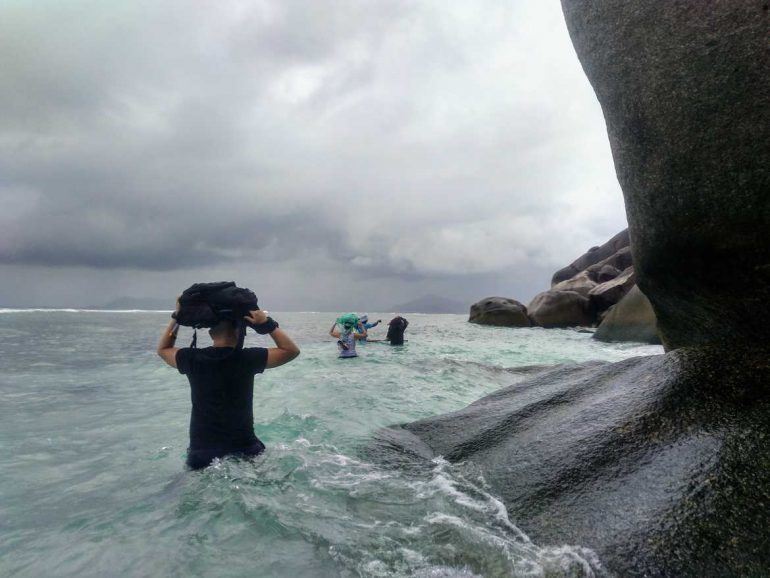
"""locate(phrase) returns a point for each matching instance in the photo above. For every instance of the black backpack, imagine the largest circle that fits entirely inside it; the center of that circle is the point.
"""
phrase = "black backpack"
(206, 304)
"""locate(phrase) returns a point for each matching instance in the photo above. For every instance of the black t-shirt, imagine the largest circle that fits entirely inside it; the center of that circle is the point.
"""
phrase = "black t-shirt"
(222, 391)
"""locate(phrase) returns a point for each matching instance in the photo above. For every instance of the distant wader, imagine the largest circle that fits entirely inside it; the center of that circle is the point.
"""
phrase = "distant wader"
(396, 329)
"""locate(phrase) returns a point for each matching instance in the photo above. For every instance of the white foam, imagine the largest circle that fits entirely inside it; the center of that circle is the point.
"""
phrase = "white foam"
(527, 558)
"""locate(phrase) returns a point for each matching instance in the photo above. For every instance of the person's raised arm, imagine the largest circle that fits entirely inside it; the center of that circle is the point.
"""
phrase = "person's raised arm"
(167, 344)
(285, 349)
(334, 332)
(361, 335)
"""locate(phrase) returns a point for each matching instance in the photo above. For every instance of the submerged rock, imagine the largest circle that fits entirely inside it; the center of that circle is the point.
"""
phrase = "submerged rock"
(632, 319)
(659, 464)
(499, 311)
(560, 309)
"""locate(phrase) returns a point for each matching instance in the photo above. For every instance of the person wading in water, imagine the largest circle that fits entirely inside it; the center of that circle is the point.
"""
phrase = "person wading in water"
(347, 335)
(364, 326)
(222, 385)
(396, 329)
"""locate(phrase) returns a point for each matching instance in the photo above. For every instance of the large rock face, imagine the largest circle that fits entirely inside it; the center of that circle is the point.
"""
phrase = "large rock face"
(580, 283)
(620, 260)
(607, 294)
(607, 275)
(499, 311)
(592, 256)
(660, 464)
(560, 309)
(685, 90)
(632, 319)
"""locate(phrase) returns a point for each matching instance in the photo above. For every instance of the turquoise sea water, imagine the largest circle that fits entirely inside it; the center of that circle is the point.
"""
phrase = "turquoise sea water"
(93, 435)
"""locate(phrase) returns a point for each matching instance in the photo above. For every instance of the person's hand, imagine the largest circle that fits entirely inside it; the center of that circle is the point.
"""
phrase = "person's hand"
(379, 321)
(257, 317)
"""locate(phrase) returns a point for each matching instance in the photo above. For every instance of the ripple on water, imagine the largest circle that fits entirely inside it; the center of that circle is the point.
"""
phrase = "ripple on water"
(94, 433)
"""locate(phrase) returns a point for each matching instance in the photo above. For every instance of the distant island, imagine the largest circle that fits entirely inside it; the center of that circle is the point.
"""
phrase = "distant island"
(426, 304)
(431, 304)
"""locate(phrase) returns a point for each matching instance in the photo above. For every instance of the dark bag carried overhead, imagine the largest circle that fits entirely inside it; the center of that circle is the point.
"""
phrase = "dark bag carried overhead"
(206, 304)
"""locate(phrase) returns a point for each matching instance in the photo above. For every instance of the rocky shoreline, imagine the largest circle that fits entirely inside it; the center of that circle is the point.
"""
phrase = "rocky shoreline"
(659, 464)
(585, 293)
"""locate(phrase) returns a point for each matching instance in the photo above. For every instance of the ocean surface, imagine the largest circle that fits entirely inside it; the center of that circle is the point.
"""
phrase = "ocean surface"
(93, 433)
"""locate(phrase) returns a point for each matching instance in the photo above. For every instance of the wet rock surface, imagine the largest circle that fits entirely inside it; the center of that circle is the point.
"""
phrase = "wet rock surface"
(499, 311)
(659, 464)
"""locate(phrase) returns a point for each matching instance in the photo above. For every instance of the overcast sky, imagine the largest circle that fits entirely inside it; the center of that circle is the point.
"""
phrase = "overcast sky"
(330, 155)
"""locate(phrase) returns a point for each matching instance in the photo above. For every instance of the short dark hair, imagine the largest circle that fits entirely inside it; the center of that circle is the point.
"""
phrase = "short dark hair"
(224, 326)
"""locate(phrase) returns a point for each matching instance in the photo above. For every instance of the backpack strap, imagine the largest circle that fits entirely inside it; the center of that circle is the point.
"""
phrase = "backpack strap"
(194, 342)
(240, 327)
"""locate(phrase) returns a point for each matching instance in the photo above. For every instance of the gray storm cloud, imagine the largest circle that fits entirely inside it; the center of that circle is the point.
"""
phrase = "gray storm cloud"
(399, 140)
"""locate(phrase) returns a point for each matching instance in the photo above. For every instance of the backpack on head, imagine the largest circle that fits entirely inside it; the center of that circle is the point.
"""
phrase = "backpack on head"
(206, 304)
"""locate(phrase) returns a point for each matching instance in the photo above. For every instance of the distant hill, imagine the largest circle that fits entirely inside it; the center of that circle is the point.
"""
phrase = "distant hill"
(137, 303)
(431, 304)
